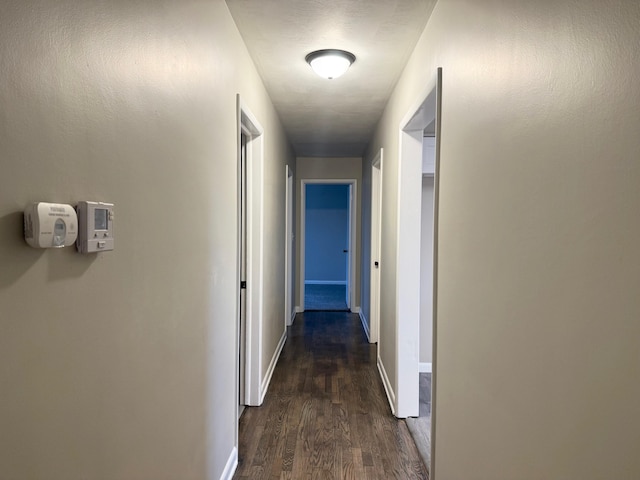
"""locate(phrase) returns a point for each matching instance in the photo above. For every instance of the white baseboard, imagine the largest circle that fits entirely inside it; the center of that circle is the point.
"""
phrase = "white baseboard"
(299, 309)
(425, 367)
(391, 396)
(325, 282)
(355, 310)
(293, 316)
(272, 366)
(230, 467)
(365, 326)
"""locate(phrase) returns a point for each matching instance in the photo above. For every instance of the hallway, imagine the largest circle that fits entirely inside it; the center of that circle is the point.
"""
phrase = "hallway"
(325, 414)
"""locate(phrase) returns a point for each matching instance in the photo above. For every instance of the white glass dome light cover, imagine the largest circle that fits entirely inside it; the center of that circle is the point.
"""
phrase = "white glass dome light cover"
(330, 63)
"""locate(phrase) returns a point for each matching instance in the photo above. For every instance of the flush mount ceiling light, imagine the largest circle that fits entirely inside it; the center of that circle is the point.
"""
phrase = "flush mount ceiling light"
(330, 63)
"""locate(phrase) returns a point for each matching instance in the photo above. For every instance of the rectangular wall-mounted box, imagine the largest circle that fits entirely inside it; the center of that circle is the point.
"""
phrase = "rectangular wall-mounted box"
(96, 227)
(50, 225)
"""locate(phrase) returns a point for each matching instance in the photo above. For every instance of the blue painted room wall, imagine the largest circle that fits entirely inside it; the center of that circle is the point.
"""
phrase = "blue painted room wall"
(327, 233)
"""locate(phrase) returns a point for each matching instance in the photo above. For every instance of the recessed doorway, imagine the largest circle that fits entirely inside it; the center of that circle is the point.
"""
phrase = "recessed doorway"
(327, 245)
(418, 187)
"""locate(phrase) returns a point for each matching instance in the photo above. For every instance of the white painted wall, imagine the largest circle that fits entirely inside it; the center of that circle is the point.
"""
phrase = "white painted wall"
(121, 365)
(538, 260)
(428, 155)
(310, 168)
(426, 272)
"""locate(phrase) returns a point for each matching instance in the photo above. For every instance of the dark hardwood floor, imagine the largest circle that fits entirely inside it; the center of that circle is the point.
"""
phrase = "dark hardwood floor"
(326, 415)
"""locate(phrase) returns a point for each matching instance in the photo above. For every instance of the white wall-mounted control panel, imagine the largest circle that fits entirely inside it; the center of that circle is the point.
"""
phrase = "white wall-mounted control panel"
(96, 227)
(50, 225)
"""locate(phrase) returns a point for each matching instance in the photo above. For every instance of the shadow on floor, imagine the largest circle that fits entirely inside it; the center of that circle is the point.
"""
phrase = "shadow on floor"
(420, 428)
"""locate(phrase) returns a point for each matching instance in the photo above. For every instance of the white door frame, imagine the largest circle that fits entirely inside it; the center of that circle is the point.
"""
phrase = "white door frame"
(353, 199)
(376, 240)
(242, 272)
(249, 125)
(419, 116)
(289, 310)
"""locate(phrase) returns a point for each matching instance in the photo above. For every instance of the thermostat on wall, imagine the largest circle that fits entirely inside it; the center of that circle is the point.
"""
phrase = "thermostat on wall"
(95, 221)
(50, 225)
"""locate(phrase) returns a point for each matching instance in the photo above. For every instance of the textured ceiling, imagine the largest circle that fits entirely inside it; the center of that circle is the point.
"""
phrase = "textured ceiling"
(330, 117)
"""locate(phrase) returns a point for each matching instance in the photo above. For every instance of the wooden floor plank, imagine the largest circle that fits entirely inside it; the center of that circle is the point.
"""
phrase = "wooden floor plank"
(326, 415)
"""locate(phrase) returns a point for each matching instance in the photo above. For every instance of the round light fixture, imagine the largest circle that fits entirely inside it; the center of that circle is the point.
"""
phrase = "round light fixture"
(330, 63)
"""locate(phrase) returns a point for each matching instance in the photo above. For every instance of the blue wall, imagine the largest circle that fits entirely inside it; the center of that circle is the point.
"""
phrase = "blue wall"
(326, 232)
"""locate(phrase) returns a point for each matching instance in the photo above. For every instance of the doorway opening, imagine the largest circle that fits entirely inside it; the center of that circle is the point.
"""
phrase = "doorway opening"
(420, 427)
(249, 261)
(289, 308)
(416, 306)
(327, 266)
(373, 330)
(242, 310)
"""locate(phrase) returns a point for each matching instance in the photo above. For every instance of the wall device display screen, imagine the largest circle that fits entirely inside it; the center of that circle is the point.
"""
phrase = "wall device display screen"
(59, 228)
(101, 219)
